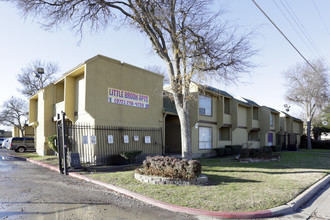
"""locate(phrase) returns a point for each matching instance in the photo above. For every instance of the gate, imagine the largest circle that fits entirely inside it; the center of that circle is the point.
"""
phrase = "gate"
(102, 145)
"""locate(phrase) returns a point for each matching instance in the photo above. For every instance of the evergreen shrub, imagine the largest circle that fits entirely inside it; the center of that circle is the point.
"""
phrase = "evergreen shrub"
(130, 155)
(228, 151)
(52, 142)
(219, 151)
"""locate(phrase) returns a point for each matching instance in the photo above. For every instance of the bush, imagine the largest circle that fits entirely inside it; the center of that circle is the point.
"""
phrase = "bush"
(130, 155)
(219, 151)
(292, 147)
(303, 141)
(254, 152)
(321, 145)
(276, 148)
(236, 149)
(245, 153)
(260, 153)
(117, 160)
(265, 152)
(52, 143)
(228, 151)
(170, 167)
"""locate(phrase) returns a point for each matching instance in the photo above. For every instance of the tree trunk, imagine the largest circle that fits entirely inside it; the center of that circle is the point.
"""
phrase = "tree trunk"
(185, 134)
(309, 141)
(181, 105)
(22, 132)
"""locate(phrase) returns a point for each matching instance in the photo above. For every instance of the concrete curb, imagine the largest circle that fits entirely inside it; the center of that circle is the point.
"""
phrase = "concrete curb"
(273, 212)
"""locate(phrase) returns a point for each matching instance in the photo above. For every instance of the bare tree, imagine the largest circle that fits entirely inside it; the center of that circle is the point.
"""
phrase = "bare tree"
(308, 89)
(31, 81)
(187, 35)
(14, 113)
(159, 70)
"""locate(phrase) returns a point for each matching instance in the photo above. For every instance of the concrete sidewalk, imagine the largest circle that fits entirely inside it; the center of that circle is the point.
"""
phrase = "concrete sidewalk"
(318, 207)
(289, 208)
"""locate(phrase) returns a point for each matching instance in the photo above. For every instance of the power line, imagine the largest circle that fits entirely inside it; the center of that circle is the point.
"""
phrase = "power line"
(293, 25)
(285, 37)
(303, 29)
(325, 26)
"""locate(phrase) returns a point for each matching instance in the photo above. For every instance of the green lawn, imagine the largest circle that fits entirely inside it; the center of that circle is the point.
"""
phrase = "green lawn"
(52, 160)
(236, 186)
(316, 150)
(232, 186)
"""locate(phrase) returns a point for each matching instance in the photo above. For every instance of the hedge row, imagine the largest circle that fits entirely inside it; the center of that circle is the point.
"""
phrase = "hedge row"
(230, 150)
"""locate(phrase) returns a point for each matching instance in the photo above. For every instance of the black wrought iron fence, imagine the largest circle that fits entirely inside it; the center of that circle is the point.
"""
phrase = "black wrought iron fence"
(102, 145)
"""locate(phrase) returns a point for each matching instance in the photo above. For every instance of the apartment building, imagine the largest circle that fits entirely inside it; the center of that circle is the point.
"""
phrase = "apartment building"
(104, 91)
(291, 129)
(100, 91)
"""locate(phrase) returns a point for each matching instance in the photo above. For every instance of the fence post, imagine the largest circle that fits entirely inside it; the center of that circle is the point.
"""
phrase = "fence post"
(161, 138)
(64, 145)
(59, 143)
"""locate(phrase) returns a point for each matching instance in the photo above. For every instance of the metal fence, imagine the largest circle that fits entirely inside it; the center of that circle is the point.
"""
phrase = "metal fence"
(102, 145)
(286, 139)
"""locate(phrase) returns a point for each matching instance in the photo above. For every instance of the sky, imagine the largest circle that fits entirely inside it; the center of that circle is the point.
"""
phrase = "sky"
(22, 40)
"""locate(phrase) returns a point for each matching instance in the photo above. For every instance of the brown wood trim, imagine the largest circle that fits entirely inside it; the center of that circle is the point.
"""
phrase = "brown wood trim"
(207, 122)
(255, 129)
(241, 127)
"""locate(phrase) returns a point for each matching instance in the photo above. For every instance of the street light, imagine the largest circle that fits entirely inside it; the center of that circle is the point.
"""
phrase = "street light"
(287, 107)
(38, 74)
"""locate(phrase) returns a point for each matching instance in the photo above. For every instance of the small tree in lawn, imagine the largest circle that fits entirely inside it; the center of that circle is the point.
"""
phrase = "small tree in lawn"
(309, 89)
(32, 82)
(14, 113)
(187, 35)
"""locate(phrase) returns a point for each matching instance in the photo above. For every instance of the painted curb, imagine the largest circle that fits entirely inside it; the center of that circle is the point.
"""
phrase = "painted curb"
(273, 212)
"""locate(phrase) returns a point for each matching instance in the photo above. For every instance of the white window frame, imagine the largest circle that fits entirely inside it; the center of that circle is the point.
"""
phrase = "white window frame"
(204, 141)
(205, 103)
(272, 120)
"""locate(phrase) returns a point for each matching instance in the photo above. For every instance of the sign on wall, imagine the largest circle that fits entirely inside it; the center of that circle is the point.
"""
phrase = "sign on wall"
(84, 139)
(147, 140)
(126, 139)
(123, 97)
(110, 139)
(93, 139)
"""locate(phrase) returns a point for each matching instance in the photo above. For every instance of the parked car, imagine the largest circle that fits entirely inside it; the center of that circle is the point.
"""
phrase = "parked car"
(1, 141)
(21, 144)
(5, 143)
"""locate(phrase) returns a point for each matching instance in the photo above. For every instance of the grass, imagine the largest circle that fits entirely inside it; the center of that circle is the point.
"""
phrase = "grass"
(51, 160)
(232, 186)
(236, 186)
(316, 150)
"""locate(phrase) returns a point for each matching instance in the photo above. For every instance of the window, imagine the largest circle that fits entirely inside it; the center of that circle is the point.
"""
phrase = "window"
(205, 138)
(205, 105)
(224, 134)
(227, 106)
(270, 139)
(253, 136)
(255, 113)
(271, 120)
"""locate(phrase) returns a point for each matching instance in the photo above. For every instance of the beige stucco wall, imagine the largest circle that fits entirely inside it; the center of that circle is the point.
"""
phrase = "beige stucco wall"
(242, 116)
(104, 73)
(296, 127)
(265, 126)
(42, 107)
(240, 136)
